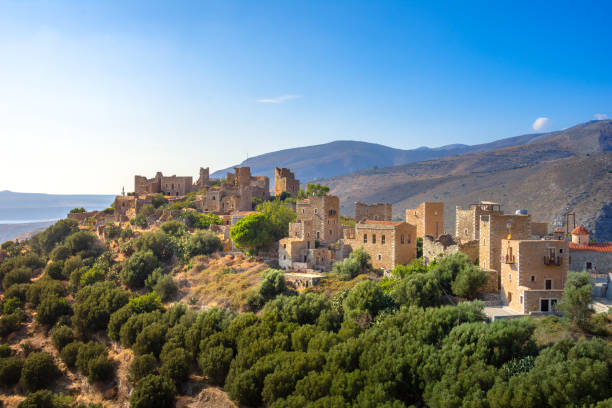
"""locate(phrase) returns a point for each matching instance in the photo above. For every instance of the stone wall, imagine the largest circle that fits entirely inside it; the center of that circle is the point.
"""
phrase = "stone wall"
(600, 261)
(492, 285)
(446, 245)
(539, 229)
(376, 211)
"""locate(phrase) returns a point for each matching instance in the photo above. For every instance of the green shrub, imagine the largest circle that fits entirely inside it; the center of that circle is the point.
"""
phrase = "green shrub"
(166, 287)
(92, 276)
(146, 303)
(84, 243)
(215, 363)
(55, 270)
(20, 275)
(43, 288)
(468, 281)
(100, 368)
(94, 305)
(173, 228)
(10, 371)
(61, 336)
(418, 289)
(11, 305)
(357, 263)
(158, 242)
(272, 283)
(150, 340)
(70, 352)
(10, 323)
(87, 353)
(77, 210)
(142, 366)
(39, 370)
(175, 365)
(202, 243)
(5, 350)
(18, 291)
(153, 391)
(51, 309)
(46, 399)
(60, 253)
(137, 268)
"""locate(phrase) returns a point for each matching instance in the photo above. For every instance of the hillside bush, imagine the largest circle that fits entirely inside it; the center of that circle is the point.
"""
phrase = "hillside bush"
(61, 336)
(142, 366)
(137, 268)
(10, 371)
(51, 309)
(39, 371)
(153, 391)
(202, 243)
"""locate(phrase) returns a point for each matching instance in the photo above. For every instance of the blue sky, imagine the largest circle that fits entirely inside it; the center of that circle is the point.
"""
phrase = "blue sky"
(92, 93)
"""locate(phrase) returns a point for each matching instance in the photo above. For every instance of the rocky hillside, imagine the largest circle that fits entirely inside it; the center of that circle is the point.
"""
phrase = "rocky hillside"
(342, 157)
(571, 170)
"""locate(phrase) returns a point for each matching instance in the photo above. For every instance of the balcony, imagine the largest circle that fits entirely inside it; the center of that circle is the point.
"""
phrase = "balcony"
(553, 260)
(508, 259)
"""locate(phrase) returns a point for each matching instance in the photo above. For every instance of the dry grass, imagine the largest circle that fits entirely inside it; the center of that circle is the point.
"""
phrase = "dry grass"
(223, 281)
(333, 284)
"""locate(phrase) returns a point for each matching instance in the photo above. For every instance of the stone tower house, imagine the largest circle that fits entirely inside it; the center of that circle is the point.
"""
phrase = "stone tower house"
(284, 181)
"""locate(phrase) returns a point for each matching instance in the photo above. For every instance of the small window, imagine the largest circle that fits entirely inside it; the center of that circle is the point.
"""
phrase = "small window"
(379, 257)
(589, 266)
(316, 210)
(521, 299)
(509, 297)
(302, 211)
(548, 284)
(408, 238)
(465, 231)
(402, 239)
(484, 241)
(284, 257)
(560, 250)
(285, 246)
(510, 277)
(382, 240)
(533, 278)
(365, 238)
(373, 238)
(318, 234)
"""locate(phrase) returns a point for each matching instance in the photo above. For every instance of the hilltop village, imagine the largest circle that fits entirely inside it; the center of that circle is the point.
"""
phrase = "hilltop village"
(231, 292)
(526, 262)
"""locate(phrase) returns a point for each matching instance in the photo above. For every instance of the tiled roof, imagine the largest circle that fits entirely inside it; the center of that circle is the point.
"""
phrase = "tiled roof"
(377, 222)
(559, 230)
(596, 246)
(580, 230)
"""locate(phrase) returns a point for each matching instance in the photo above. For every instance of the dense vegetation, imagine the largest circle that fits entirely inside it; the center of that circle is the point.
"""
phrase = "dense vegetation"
(389, 342)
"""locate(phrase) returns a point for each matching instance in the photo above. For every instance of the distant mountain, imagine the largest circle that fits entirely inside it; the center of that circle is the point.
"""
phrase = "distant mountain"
(548, 174)
(345, 156)
(20, 213)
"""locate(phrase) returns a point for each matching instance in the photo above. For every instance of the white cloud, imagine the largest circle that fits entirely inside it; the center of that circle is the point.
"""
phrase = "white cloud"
(600, 116)
(279, 99)
(541, 123)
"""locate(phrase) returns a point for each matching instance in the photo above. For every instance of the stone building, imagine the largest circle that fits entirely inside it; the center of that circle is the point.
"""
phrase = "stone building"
(126, 207)
(533, 274)
(389, 243)
(446, 245)
(167, 185)
(285, 182)
(428, 218)
(376, 211)
(593, 257)
(301, 251)
(324, 212)
(495, 227)
(313, 239)
(467, 222)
